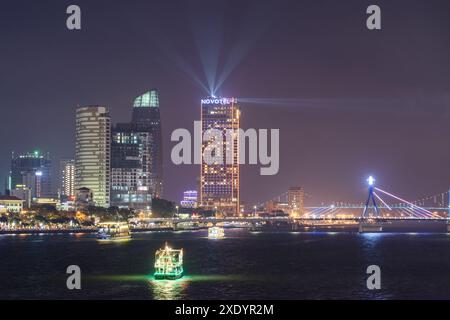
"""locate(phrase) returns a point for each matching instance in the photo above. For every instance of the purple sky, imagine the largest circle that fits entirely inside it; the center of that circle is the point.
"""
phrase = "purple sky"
(349, 102)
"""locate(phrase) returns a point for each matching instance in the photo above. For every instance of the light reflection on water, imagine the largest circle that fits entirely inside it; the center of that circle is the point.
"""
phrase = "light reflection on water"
(169, 289)
(301, 265)
(176, 289)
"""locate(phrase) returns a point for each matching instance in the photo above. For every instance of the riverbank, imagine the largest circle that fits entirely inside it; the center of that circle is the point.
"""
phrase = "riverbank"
(399, 227)
(69, 231)
(49, 231)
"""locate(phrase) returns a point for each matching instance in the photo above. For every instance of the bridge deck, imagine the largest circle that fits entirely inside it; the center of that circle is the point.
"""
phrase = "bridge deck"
(262, 219)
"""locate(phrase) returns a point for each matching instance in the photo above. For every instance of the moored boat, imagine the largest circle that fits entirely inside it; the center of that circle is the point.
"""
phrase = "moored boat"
(216, 233)
(113, 231)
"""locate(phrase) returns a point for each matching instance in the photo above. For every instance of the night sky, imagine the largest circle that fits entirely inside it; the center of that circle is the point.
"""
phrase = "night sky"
(349, 102)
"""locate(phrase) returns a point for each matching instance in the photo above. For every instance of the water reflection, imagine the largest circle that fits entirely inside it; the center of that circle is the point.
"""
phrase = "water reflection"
(370, 240)
(169, 289)
(370, 244)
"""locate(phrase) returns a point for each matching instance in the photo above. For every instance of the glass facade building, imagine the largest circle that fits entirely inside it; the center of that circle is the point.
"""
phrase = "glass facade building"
(32, 170)
(146, 118)
(131, 179)
(136, 155)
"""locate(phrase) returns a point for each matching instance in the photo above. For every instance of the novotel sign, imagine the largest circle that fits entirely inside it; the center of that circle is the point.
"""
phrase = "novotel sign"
(219, 101)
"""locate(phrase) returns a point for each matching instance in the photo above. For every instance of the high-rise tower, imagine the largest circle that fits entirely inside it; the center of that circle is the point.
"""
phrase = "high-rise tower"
(296, 197)
(219, 185)
(131, 176)
(32, 170)
(67, 167)
(92, 152)
(146, 118)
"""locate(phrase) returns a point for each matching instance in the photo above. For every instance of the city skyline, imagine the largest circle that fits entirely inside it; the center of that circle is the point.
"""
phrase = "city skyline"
(393, 124)
(232, 157)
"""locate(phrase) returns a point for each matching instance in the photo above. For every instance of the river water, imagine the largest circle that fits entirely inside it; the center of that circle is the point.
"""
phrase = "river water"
(244, 265)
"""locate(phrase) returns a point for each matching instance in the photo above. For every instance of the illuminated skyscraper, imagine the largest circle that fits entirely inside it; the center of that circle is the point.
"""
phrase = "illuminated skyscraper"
(67, 167)
(190, 199)
(92, 152)
(146, 118)
(136, 155)
(32, 170)
(131, 178)
(219, 184)
(296, 197)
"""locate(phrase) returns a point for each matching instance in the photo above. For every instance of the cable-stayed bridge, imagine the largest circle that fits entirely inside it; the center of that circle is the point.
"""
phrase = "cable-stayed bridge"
(381, 205)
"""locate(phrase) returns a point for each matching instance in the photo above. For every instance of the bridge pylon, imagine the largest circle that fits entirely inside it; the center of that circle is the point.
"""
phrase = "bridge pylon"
(369, 223)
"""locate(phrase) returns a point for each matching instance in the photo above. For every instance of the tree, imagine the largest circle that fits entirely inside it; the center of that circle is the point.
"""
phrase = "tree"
(120, 214)
(44, 208)
(205, 212)
(126, 213)
(96, 210)
(60, 220)
(113, 210)
(40, 218)
(162, 208)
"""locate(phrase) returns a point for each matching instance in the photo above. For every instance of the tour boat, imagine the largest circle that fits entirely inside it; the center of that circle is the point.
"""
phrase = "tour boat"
(168, 263)
(216, 233)
(187, 226)
(113, 231)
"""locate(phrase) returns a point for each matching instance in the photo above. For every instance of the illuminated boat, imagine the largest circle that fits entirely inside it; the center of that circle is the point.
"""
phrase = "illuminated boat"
(187, 226)
(168, 263)
(113, 231)
(216, 233)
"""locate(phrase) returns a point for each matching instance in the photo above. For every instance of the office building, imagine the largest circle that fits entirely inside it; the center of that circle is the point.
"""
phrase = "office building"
(23, 193)
(190, 199)
(32, 170)
(296, 197)
(67, 168)
(132, 183)
(146, 118)
(136, 155)
(92, 152)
